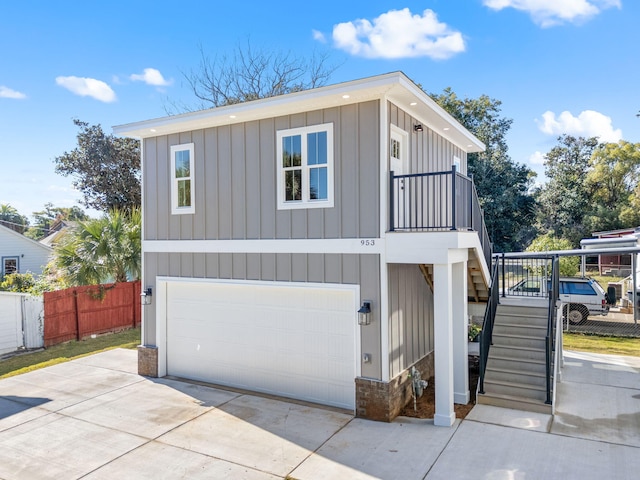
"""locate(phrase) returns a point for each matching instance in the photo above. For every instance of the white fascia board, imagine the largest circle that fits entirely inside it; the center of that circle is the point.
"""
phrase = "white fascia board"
(397, 86)
(329, 246)
(307, 100)
(428, 247)
(436, 117)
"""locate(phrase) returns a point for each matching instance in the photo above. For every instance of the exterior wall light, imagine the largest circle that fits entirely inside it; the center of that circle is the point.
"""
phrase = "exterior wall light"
(417, 127)
(145, 296)
(364, 314)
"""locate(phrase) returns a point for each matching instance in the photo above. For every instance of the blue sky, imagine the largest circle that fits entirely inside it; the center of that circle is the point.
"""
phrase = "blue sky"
(558, 66)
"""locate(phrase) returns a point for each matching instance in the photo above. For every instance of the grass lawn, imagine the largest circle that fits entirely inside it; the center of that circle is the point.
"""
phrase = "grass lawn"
(598, 344)
(64, 352)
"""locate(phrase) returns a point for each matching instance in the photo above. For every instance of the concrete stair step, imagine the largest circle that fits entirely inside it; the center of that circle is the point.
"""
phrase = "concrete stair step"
(523, 353)
(516, 376)
(514, 402)
(514, 389)
(520, 319)
(524, 365)
(519, 329)
(532, 310)
(502, 339)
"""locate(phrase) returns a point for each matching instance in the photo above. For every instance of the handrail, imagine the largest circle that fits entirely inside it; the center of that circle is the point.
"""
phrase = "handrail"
(551, 325)
(486, 334)
(437, 201)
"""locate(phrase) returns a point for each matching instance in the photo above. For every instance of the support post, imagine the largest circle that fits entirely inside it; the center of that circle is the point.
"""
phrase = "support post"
(460, 329)
(443, 345)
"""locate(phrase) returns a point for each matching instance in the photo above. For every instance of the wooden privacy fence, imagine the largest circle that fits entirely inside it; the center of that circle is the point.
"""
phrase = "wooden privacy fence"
(79, 312)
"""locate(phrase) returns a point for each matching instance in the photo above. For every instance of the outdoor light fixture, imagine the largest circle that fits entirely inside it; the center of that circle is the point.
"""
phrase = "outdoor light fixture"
(364, 314)
(417, 127)
(145, 296)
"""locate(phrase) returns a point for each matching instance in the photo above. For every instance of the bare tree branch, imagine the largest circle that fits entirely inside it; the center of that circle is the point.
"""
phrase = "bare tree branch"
(250, 74)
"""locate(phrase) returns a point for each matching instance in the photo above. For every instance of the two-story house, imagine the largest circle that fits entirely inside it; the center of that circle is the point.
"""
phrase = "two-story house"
(314, 245)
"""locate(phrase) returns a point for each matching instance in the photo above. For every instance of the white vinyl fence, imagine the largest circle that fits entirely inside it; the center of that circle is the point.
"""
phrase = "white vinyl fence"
(21, 322)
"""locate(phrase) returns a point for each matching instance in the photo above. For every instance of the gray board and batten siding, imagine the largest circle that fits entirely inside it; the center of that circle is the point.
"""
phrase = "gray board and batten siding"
(428, 151)
(235, 181)
(235, 188)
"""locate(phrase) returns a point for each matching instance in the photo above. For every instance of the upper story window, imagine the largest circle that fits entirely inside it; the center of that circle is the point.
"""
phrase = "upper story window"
(182, 187)
(305, 167)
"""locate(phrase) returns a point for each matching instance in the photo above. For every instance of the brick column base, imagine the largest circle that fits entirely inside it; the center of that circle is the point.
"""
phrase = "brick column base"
(148, 360)
(383, 401)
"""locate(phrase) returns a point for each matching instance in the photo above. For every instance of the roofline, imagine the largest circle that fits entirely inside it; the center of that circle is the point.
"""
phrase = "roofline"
(394, 86)
(26, 238)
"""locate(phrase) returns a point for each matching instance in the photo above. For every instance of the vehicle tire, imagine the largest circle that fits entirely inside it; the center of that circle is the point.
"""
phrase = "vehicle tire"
(577, 313)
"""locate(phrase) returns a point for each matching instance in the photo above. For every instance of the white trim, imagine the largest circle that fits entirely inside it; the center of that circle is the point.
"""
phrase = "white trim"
(350, 245)
(385, 366)
(175, 209)
(161, 327)
(161, 310)
(143, 324)
(395, 86)
(306, 201)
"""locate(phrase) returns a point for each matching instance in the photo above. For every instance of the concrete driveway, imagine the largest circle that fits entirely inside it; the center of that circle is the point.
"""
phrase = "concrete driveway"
(96, 418)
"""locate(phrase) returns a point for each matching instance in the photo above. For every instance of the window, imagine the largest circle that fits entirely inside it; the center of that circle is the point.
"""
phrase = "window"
(9, 266)
(577, 288)
(182, 186)
(305, 167)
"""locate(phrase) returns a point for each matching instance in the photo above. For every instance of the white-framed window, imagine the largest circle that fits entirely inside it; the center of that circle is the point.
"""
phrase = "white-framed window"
(9, 265)
(305, 167)
(182, 179)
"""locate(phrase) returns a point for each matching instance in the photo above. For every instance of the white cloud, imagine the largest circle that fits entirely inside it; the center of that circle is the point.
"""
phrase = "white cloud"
(88, 87)
(151, 76)
(548, 13)
(6, 92)
(399, 34)
(587, 124)
(537, 158)
(319, 36)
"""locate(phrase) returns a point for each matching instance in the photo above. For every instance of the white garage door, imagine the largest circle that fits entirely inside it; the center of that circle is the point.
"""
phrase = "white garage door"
(293, 341)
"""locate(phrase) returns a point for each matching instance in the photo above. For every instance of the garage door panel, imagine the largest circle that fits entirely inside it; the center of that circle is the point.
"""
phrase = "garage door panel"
(285, 340)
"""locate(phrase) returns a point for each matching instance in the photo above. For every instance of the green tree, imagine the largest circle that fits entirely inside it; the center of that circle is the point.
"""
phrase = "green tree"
(503, 185)
(564, 201)
(613, 182)
(569, 266)
(105, 168)
(101, 250)
(47, 220)
(10, 218)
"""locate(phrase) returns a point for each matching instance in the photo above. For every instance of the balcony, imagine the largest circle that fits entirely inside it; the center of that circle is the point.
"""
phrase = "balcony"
(445, 203)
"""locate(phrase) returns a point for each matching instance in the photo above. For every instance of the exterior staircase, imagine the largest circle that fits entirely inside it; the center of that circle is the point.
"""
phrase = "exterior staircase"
(477, 284)
(515, 375)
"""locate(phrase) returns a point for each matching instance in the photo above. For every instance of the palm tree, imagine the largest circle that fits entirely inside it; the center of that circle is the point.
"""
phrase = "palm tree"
(102, 250)
(10, 218)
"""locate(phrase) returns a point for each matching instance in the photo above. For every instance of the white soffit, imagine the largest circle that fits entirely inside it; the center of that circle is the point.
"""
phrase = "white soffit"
(395, 87)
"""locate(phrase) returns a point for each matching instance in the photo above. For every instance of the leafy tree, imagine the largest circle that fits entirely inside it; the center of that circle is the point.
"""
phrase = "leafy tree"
(564, 201)
(101, 250)
(10, 218)
(569, 266)
(47, 220)
(503, 185)
(106, 169)
(250, 74)
(18, 282)
(613, 182)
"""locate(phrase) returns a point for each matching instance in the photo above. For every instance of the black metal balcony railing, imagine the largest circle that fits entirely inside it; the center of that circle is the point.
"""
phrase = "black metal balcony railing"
(437, 201)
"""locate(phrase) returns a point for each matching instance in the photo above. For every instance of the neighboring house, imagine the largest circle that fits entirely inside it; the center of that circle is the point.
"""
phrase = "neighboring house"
(269, 225)
(615, 264)
(21, 254)
(57, 231)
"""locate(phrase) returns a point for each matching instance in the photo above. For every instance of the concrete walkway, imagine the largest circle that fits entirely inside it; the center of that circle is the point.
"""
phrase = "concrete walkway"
(95, 418)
